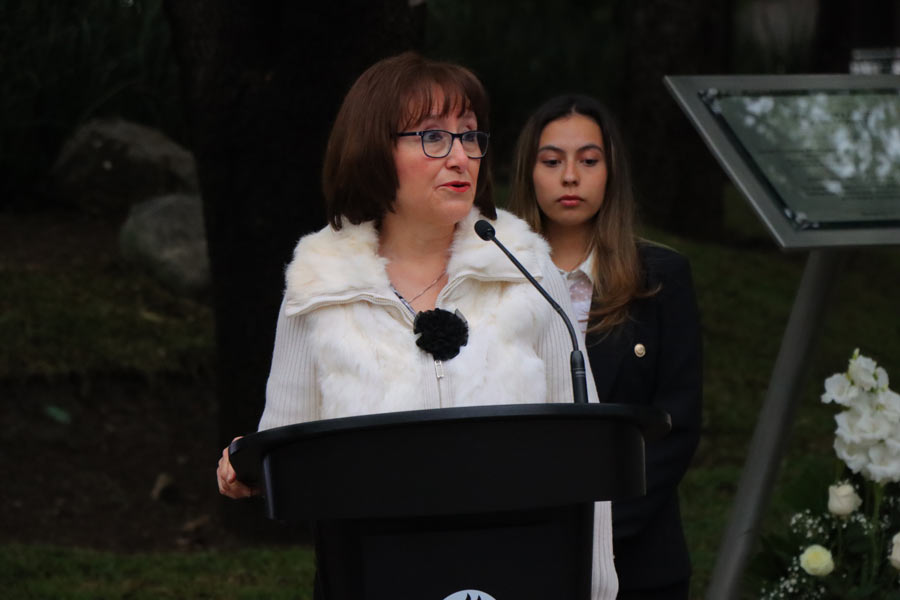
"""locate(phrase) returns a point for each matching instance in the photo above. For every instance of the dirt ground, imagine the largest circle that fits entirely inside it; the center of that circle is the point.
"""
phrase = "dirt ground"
(109, 462)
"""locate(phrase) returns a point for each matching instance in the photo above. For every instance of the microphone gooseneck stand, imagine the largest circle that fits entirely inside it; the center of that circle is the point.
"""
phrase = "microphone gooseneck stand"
(579, 383)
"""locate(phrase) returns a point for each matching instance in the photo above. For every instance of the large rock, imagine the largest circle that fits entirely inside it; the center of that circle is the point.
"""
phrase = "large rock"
(109, 164)
(166, 237)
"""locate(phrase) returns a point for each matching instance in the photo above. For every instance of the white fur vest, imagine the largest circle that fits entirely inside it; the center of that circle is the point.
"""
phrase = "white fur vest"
(345, 343)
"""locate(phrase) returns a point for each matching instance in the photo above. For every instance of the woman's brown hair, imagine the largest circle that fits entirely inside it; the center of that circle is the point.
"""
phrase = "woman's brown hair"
(618, 275)
(359, 179)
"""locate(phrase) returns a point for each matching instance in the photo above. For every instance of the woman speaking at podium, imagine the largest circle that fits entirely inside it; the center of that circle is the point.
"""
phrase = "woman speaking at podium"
(398, 304)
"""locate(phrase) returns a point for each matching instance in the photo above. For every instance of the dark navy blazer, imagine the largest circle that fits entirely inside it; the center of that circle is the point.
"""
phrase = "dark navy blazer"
(654, 358)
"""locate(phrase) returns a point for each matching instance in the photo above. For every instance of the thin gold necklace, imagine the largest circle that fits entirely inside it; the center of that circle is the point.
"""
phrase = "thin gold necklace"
(427, 287)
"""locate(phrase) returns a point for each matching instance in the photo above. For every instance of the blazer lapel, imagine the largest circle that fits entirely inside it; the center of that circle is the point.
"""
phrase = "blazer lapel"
(606, 357)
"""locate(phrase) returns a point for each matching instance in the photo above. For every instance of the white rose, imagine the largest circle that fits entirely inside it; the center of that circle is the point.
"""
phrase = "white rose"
(862, 426)
(816, 560)
(842, 499)
(839, 389)
(895, 552)
(854, 455)
(884, 463)
(862, 371)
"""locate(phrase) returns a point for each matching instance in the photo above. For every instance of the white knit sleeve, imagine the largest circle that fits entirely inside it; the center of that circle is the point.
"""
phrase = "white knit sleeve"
(604, 581)
(556, 350)
(555, 346)
(292, 395)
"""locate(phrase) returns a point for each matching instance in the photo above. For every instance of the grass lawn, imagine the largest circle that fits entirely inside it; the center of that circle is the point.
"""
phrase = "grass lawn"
(80, 322)
(29, 572)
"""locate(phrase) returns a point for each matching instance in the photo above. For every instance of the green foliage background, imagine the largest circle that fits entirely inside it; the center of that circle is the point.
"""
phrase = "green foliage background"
(526, 52)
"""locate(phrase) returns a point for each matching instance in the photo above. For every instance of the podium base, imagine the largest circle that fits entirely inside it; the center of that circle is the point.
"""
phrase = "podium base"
(534, 554)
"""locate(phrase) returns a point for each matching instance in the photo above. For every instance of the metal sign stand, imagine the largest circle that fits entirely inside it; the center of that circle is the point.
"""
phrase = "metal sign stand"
(775, 421)
(872, 221)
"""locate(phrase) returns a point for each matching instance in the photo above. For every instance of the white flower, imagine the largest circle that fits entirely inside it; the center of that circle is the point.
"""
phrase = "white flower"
(842, 499)
(895, 552)
(816, 560)
(862, 371)
(881, 377)
(839, 389)
(888, 402)
(862, 426)
(884, 463)
(854, 455)
(867, 437)
(893, 441)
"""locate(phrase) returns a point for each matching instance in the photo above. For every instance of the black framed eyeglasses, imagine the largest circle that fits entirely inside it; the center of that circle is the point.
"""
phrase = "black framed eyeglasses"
(436, 143)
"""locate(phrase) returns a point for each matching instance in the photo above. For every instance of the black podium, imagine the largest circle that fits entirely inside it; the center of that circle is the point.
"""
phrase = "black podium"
(494, 501)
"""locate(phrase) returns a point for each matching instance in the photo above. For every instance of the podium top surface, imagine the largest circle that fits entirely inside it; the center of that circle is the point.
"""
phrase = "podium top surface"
(247, 452)
(583, 451)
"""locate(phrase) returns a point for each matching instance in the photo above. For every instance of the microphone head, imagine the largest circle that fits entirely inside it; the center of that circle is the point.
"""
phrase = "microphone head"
(484, 230)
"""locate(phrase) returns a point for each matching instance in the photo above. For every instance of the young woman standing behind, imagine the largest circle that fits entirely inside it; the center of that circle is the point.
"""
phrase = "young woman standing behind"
(635, 302)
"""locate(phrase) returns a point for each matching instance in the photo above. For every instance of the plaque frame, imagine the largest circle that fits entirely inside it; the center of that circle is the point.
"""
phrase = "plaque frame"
(749, 179)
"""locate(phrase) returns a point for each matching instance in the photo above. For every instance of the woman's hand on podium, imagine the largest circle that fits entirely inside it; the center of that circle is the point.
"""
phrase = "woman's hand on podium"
(228, 482)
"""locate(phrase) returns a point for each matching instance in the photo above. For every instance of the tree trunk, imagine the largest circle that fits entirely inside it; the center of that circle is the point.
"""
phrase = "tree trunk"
(262, 82)
(678, 182)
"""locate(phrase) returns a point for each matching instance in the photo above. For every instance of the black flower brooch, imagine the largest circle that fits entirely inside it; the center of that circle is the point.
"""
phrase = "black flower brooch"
(443, 333)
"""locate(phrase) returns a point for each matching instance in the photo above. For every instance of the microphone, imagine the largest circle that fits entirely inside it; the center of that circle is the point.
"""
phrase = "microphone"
(579, 384)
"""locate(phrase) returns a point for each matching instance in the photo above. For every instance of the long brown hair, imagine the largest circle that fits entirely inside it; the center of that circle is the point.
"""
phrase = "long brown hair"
(618, 274)
(359, 178)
